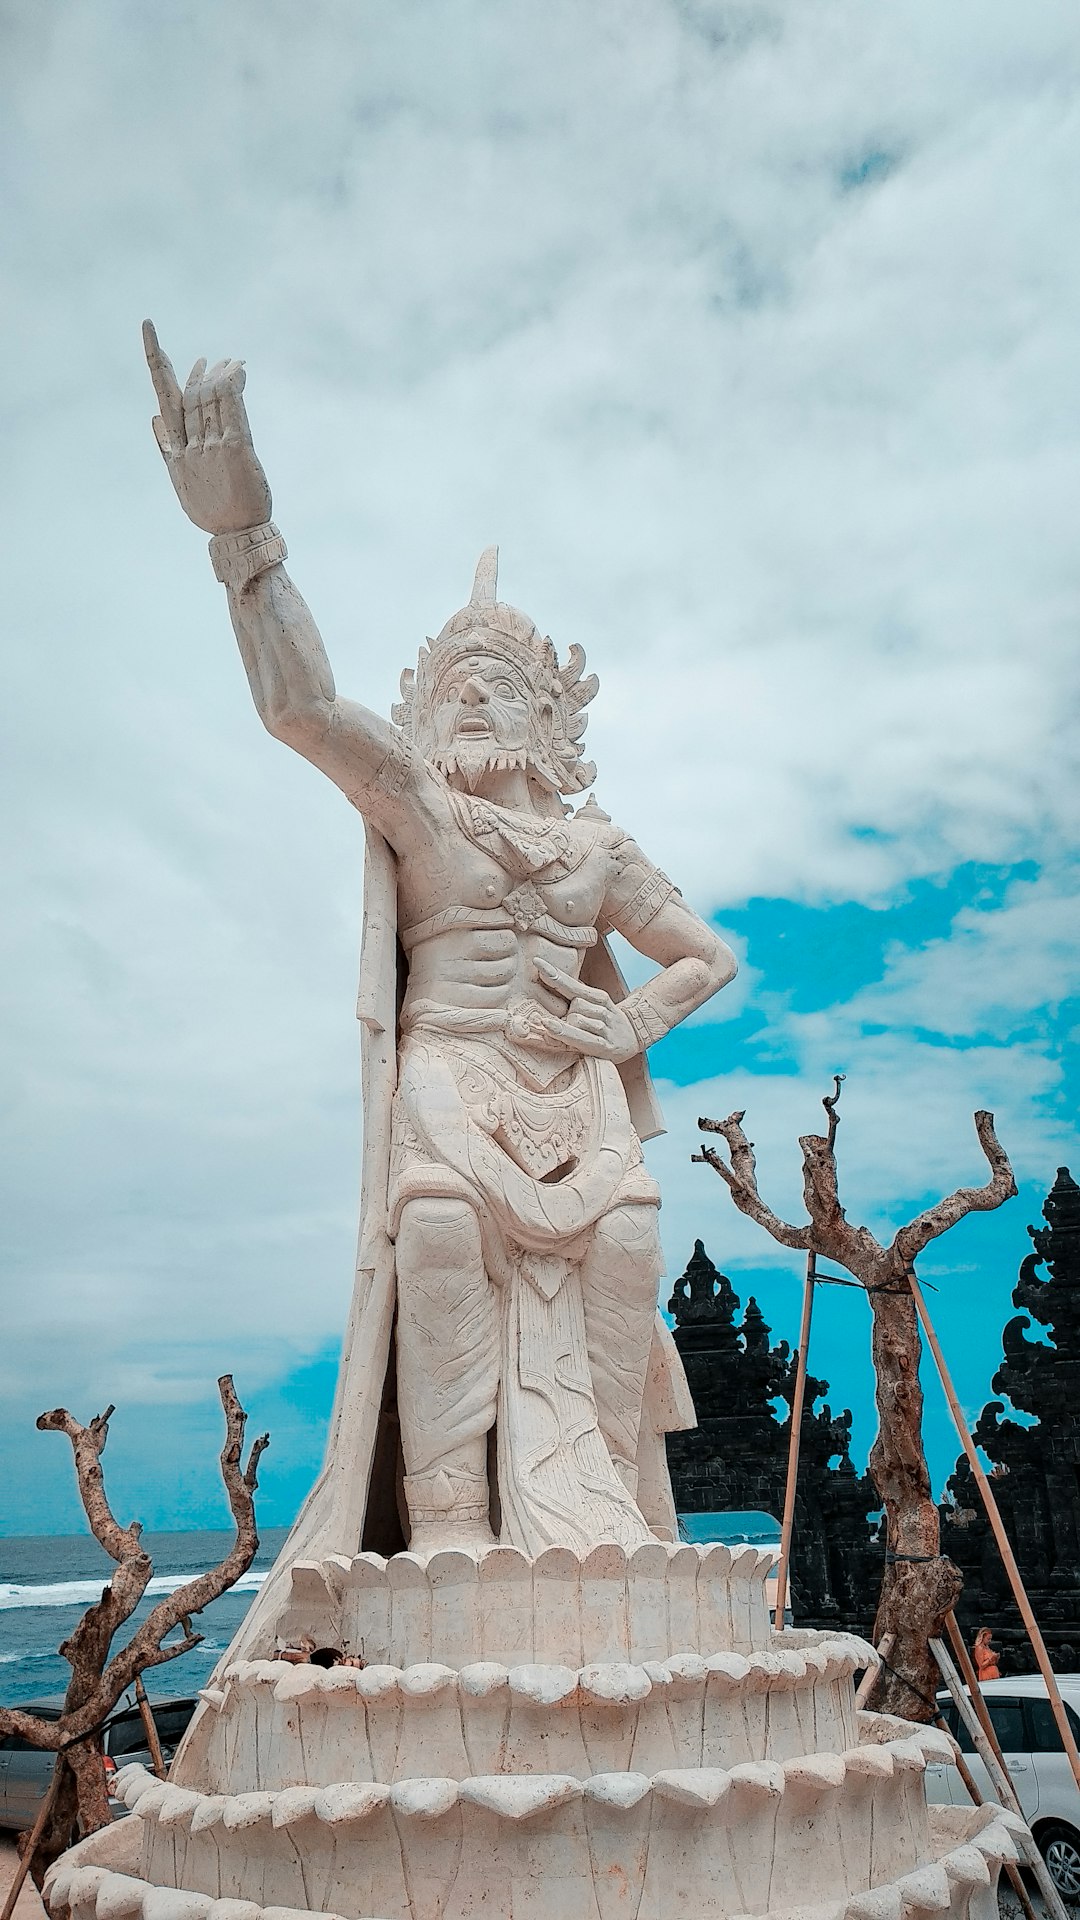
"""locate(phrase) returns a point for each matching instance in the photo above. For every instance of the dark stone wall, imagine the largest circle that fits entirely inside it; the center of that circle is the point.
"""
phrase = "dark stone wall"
(737, 1457)
(1035, 1463)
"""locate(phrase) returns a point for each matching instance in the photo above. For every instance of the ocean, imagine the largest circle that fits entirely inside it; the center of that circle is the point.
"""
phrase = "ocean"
(48, 1581)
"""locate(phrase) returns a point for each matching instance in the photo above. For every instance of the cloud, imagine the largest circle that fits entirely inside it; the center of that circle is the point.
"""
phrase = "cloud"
(998, 974)
(748, 331)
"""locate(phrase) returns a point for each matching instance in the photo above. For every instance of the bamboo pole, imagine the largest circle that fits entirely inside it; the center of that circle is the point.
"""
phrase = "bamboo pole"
(794, 1442)
(1008, 1557)
(970, 1677)
(32, 1843)
(978, 1700)
(989, 1752)
(150, 1726)
(1012, 1870)
(870, 1677)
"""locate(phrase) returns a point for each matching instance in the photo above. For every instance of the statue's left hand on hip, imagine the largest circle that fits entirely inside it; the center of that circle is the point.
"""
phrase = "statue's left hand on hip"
(593, 1023)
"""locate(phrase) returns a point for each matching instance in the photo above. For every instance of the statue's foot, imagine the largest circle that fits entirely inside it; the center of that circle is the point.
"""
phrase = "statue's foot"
(448, 1509)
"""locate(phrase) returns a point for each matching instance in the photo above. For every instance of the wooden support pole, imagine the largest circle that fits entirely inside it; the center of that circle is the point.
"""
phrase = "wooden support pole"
(970, 1677)
(869, 1680)
(978, 1701)
(989, 1752)
(150, 1726)
(1008, 1557)
(1012, 1870)
(794, 1441)
(31, 1847)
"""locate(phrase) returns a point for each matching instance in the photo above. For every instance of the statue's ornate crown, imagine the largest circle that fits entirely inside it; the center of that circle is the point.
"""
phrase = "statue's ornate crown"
(491, 627)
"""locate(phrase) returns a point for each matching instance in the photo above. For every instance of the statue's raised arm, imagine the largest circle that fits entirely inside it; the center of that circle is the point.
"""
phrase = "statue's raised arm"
(205, 440)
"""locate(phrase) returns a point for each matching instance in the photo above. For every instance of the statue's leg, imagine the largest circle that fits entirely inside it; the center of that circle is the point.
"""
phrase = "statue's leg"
(448, 1372)
(619, 1278)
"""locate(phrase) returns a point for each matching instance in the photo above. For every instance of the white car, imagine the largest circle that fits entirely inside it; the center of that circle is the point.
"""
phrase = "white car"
(1037, 1764)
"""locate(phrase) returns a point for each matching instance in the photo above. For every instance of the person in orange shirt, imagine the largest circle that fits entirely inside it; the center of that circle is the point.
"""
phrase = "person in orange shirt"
(986, 1661)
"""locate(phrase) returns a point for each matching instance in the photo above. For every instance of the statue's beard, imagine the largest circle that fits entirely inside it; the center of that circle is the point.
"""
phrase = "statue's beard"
(472, 759)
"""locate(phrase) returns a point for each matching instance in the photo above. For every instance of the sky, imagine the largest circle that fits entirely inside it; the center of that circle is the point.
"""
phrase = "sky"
(748, 332)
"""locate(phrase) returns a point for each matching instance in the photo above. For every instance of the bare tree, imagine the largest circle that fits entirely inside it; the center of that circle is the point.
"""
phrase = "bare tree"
(77, 1796)
(920, 1584)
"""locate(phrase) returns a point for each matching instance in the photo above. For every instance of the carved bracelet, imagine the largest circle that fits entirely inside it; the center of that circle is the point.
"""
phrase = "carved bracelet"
(648, 1024)
(239, 558)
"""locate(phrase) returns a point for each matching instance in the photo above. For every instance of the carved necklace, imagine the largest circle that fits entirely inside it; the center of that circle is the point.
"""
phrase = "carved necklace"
(522, 844)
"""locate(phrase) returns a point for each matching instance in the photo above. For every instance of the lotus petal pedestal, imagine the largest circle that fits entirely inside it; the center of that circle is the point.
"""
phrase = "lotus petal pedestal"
(615, 1737)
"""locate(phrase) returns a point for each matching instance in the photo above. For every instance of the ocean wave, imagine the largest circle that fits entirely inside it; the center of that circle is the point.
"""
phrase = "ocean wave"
(81, 1593)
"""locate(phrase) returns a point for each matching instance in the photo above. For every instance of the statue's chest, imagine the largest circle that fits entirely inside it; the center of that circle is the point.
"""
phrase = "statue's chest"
(571, 896)
(536, 869)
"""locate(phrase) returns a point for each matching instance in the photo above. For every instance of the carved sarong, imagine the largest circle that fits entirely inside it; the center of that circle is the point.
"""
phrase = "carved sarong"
(540, 1164)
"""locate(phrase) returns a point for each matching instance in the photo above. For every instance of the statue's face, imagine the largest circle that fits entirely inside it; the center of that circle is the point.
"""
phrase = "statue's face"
(483, 715)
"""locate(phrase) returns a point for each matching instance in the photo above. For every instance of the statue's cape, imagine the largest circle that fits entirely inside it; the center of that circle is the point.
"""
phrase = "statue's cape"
(355, 1503)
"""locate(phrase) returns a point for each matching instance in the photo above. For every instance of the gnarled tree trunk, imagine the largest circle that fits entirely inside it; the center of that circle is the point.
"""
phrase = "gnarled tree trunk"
(920, 1585)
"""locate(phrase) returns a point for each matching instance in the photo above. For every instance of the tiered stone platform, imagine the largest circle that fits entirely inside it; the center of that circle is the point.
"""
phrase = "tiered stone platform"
(609, 1738)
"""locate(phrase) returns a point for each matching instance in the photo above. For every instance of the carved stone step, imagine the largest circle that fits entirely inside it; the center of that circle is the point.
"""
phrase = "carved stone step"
(278, 1725)
(584, 1836)
(356, 1847)
(457, 1608)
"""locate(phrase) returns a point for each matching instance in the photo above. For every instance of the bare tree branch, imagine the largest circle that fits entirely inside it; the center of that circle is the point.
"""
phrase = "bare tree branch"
(830, 1102)
(194, 1595)
(95, 1687)
(88, 1445)
(1001, 1186)
(740, 1179)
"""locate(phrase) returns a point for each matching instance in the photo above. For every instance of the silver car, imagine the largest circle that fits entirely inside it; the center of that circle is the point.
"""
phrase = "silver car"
(1037, 1764)
(25, 1771)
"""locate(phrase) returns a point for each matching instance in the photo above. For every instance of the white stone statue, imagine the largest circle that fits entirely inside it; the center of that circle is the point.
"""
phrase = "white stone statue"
(582, 1722)
(506, 1205)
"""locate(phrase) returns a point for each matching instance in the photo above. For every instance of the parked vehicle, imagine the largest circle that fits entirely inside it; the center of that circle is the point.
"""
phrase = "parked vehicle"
(737, 1529)
(25, 1771)
(1037, 1765)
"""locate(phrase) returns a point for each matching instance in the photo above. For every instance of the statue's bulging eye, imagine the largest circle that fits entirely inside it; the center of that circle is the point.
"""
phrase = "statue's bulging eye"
(505, 690)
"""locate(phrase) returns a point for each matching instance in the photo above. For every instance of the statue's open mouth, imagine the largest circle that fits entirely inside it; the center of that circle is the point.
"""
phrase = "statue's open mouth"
(474, 724)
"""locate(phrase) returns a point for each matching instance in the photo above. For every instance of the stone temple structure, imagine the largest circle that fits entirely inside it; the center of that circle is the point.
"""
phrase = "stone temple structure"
(1036, 1466)
(561, 1712)
(736, 1458)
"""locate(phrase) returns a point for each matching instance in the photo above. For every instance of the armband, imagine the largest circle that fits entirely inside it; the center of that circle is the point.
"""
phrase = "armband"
(394, 770)
(239, 558)
(654, 892)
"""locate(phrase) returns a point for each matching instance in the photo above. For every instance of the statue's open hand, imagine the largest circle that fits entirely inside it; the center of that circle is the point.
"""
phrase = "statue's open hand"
(593, 1022)
(204, 436)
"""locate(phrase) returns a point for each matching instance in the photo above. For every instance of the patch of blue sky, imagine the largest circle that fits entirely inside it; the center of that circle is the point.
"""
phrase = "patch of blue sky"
(807, 959)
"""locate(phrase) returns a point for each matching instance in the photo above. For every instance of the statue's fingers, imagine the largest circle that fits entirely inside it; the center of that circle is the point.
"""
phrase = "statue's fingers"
(557, 1029)
(210, 402)
(557, 982)
(193, 421)
(588, 1022)
(566, 983)
(163, 436)
(567, 1036)
(234, 421)
(166, 384)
